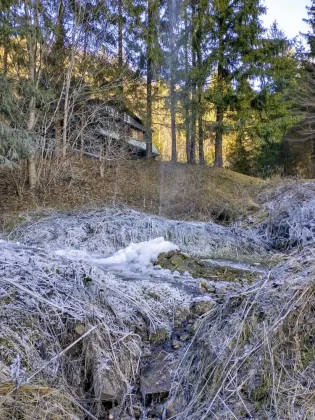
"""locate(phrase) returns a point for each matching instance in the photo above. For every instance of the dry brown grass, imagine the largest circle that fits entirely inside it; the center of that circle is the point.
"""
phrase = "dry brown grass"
(176, 191)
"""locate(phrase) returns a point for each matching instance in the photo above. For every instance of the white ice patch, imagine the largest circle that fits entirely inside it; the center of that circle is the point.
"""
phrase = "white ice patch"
(136, 257)
(142, 254)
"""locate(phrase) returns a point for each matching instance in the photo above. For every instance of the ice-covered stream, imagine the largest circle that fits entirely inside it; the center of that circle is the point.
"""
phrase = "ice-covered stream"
(135, 258)
(126, 243)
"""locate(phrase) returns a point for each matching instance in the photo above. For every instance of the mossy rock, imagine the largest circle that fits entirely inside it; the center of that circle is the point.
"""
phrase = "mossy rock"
(177, 261)
(159, 336)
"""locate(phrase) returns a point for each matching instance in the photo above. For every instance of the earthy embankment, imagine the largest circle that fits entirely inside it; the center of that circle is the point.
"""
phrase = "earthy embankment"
(176, 191)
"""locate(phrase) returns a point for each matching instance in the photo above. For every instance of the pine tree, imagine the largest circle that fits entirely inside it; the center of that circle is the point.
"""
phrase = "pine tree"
(146, 44)
(170, 41)
(235, 37)
(275, 98)
(310, 36)
(263, 112)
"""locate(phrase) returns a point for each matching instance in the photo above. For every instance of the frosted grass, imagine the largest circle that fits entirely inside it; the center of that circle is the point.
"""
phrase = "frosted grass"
(107, 230)
(291, 217)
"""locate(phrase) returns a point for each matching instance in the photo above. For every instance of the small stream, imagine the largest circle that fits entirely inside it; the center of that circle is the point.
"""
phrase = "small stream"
(256, 268)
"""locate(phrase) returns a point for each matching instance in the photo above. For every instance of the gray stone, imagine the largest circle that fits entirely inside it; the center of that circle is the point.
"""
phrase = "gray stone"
(206, 287)
(202, 305)
(184, 337)
(114, 413)
(108, 391)
(170, 409)
(146, 352)
(159, 410)
(221, 291)
(176, 344)
(156, 377)
(136, 410)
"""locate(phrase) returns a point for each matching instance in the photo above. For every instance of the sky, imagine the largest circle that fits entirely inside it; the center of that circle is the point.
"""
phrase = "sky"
(288, 14)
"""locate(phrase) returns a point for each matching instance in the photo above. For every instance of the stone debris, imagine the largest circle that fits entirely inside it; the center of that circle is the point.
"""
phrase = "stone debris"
(202, 305)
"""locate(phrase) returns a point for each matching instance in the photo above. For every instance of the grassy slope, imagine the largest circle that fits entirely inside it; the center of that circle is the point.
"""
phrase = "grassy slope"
(177, 191)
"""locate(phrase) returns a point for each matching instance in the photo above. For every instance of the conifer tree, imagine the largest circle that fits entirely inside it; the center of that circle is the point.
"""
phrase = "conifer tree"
(235, 38)
(310, 36)
(170, 28)
(146, 21)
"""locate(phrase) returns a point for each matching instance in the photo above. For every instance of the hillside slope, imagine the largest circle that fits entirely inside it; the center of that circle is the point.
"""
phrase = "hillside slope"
(176, 191)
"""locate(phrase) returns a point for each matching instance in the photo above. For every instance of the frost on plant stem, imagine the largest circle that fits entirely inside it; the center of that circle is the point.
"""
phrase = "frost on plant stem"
(291, 216)
(104, 231)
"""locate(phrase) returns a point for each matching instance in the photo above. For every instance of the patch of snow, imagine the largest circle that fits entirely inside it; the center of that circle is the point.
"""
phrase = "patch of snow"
(141, 254)
(136, 257)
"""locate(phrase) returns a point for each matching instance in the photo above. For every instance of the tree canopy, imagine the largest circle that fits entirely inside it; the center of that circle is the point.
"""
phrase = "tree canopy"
(222, 82)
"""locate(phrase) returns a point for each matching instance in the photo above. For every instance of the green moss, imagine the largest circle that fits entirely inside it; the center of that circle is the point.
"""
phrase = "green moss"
(261, 393)
(176, 261)
(308, 357)
(154, 295)
(14, 221)
(159, 336)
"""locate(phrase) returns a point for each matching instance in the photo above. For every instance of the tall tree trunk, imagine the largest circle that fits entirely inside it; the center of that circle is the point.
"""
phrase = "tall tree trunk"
(31, 162)
(200, 141)
(173, 120)
(193, 115)
(149, 109)
(200, 119)
(5, 56)
(198, 47)
(172, 77)
(120, 48)
(187, 92)
(58, 63)
(31, 121)
(67, 90)
(218, 159)
(193, 88)
(188, 133)
(150, 30)
(313, 158)
(60, 31)
(66, 108)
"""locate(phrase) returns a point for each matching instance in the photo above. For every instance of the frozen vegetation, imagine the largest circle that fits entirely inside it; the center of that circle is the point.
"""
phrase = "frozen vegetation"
(68, 328)
(290, 220)
(91, 329)
(105, 231)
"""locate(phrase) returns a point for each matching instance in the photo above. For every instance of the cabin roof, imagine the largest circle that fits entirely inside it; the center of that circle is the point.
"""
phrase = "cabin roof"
(141, 145)
(123, 110)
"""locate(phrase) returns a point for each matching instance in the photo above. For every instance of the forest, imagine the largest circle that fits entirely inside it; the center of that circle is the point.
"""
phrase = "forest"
(211, 84)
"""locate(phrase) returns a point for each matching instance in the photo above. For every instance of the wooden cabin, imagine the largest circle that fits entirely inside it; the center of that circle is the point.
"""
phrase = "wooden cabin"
(106, 130)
